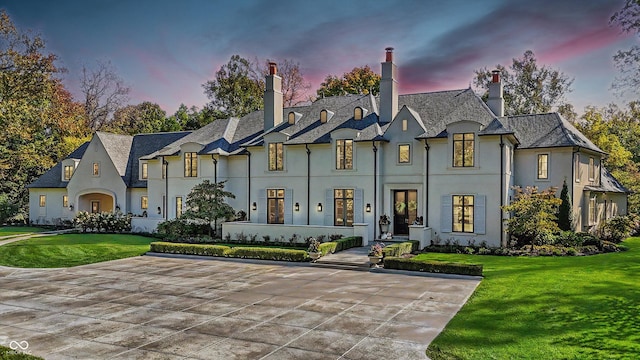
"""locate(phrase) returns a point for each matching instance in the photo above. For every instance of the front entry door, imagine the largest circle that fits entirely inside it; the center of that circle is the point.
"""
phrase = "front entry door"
(405, 210)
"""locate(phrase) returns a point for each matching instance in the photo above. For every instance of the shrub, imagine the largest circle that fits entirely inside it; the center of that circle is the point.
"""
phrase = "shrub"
(183, 227)
(348, 242)
(189, 249)
(328, 247)
(264, 253)
(335, 237)
(568, 238)
(7, 208)
(104, 221)
(534, 216)
(572, 252)
(400, 249)
(432, 266)
(615, 229)
(608, 246)
(484, 251)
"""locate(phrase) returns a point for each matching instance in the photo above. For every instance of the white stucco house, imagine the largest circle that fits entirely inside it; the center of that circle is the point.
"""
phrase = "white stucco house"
(339, 163)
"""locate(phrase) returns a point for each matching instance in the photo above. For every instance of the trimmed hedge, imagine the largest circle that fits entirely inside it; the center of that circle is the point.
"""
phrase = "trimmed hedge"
(348, 242)
(328, 248)
(9, 354)
(189, 249)
(400, 249)
(262, 253)
(432, 266)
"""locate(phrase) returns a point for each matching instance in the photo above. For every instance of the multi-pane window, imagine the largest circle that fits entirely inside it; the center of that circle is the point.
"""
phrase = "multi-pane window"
(462, 213)
(592, 210)
(96, 169)
(275, 156)
(576, 167)
(68, 171)
(275, 206)
(592, 169)
(65, 201)
(404, 153)
(190, 164)
(344, 154)
(343, 207)
(543, 166)
(144, 202)
(178, 206)
(43, 200)
(144, 171)
(463, 149)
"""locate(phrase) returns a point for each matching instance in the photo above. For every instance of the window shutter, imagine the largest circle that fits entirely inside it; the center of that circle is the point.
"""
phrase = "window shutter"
(480, 214)
(327, 207)
(446, 216)
(288, 206)
(358, 211)
(262, 206)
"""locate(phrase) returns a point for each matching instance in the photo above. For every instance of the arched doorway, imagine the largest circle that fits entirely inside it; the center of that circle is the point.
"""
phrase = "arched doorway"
(96, 202)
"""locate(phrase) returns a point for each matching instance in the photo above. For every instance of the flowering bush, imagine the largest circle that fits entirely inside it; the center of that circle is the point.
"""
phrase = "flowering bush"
(376, 249)
(103, 222)
(314, 245)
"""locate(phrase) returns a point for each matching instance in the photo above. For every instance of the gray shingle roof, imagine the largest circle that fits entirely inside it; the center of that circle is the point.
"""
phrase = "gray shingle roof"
(52, 178)
(608, 183)
(144, 144)
(118, 147)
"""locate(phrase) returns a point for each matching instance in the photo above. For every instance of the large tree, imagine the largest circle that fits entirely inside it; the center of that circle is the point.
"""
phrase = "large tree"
(528, 87)
(360, 80)
(628, 61)
(104, 93)
(294, 85)
(145, 117)
(207, 202)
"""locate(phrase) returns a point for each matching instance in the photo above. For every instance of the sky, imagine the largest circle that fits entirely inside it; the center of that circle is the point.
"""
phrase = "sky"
(165, 50)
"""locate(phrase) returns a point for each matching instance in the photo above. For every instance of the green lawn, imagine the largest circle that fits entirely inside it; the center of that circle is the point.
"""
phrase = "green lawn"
(17, 230)
(548, 308)
(72, 249)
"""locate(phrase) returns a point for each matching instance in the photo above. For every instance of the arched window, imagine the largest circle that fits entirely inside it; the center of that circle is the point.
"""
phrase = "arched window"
(323, 116)
(292, 118)
(357, 113)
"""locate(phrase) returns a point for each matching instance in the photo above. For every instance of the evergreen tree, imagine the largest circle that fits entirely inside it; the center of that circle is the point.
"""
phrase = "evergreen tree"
(565, 218)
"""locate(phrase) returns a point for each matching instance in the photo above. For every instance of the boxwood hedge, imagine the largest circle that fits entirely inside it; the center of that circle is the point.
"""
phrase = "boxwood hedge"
(432, 266)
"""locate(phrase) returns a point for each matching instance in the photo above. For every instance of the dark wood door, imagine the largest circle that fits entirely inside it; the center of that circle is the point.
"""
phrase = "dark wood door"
(405, 210)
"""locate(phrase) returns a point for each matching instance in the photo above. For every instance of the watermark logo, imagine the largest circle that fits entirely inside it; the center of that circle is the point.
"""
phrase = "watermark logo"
(19, 345)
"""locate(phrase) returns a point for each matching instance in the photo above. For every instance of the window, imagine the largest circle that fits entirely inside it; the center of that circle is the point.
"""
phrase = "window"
(144, 202)
(164, 170)
(576, 167)
(190, 164)
(357, 113)
(96, 169)
(404, 153)
(463, 148)
(592, 210)
(543, 166)
(65, 201)
(343, 205)
(275, 206)
(68, 171)
(178, 206)
(344, 154)
(95, 206)
(592, 169)
(462, 213)
(275, 156)
(291, 118)
(323, 116)
(43, 200)
(405, 125)
(145, 171)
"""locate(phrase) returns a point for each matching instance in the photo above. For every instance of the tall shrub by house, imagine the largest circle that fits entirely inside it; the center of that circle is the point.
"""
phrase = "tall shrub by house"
(207, 202)
(533, 218)
(565, 218)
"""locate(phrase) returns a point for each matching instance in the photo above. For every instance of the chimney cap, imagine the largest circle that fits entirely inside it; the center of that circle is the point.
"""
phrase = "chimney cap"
(495, 78)
(388, 54)
(273, 68)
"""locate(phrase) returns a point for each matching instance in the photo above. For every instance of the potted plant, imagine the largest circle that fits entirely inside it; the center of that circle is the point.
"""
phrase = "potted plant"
(384, 223)
(314, 249)
(375, 253)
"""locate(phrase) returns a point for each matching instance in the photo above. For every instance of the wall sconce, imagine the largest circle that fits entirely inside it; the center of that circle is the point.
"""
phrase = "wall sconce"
(118, 207)
(296, 207)
(70, 207)
(254, 206)
(159, 210)
(368, 208)
(319, 207)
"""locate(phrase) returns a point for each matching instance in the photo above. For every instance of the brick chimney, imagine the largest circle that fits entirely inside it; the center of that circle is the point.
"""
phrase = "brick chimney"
(496, 99)
(388, 88)
(273, 100)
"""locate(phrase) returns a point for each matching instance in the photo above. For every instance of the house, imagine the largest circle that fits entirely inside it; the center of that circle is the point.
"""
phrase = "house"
(339, 163)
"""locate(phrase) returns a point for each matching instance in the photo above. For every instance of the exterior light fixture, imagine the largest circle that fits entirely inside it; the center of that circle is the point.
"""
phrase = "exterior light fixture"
(319, 207)
(296, 207)
(159, 210)
(368, 208)
(70, 207)
(254, 206)
(118, 207)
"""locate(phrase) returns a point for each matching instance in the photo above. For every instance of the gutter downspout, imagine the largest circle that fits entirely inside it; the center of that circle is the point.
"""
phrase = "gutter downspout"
(166, 188)
(249, 185)
(375, 188)
(306, 146)
(502, 174)
(426, 184)
(573, 180)
(215, 169)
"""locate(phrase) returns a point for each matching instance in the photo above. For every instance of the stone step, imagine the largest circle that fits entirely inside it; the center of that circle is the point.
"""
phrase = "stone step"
(364, 262)
(352, 267)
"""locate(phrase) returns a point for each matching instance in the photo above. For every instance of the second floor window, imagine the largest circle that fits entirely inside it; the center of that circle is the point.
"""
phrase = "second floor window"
(190, 164)
(68, 171)
(592, 169)
(144, 171)
(543, 166)
(144, 202)
(275, 156)
(404, 153)
(344, 154)
(96, 169)
(463, 150)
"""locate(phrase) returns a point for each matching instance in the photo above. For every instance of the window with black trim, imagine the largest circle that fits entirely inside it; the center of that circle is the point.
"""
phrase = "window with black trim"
(592, 169)
(276, 154)
(144, 202)
(291, 118)
(275, 206)
(65, 200)
(178, 206)
(462, 213)
(344, 154)
(357, 113)
(404, 153)
(323, 116)
(343, 207)
(190, 164)
(463, 150)
(543, 166)
(576, 167)
(43, 200)
(144, 172)
(96, 169)
(68, 172)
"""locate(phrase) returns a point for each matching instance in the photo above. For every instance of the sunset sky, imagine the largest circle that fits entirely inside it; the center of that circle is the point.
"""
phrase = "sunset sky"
(166, 50)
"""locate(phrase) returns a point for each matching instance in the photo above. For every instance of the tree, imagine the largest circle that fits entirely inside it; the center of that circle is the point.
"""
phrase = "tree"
(360, 80)
(528, 88)
(565, 213)
(236, 90)
(206, 202)
(533, 219)
(294, 86)
(7, 209)
(104, 93)
(145, 117)
(628, 61)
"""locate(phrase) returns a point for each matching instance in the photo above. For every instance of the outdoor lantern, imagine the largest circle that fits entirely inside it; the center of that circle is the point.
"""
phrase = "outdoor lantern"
(297, 207)
(368, 208)
(159, 210)
(118, 207)
(70, 207)
(254, 206)
(320, 207)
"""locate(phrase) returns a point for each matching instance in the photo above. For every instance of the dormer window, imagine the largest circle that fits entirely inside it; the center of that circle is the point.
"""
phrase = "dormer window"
(344, 154)
(276, 154)
(68, 172)
(144, 171)
(323, 116)
(357, 113)
(96, 169)
(463, 150)
(291, 118)
(190, 164)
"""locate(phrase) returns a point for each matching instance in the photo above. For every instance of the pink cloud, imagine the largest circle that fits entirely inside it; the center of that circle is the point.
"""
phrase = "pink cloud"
(581, 44)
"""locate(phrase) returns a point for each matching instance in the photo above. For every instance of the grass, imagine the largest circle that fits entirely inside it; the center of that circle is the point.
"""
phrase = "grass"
(67, 250)
(18, 230)
(547, 308)
(8, 354)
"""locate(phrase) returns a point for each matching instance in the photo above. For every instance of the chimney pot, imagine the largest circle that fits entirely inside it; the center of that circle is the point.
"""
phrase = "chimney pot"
(495, 76)
(389, 54)
(273, 68)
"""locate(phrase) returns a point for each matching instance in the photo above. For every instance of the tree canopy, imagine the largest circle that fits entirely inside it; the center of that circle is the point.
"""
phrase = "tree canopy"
(528, 87)
(360, 80)
(207, 202)
(628, 61)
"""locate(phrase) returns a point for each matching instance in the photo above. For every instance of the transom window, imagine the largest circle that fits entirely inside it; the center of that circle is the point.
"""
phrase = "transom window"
(404, 153)
(275, 156)
(43, 200)
(96, 169)
(343, 205)
(344, 154)
(462, 213)
(178, 206)
(190, 164)
(275, 206)
(543, 166)
(68, 172)
(144, 202)
(463, 150)
(144, 171)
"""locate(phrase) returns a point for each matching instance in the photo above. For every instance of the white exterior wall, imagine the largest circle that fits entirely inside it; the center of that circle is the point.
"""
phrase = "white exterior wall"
(135, 203)
(53, 208)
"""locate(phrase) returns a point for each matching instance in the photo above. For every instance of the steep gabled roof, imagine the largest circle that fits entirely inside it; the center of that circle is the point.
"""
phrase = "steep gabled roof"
(52, 178)
(118, 148)
(144, 144)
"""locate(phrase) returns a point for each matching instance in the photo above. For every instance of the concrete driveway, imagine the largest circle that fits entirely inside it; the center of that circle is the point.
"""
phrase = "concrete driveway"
(158, 308)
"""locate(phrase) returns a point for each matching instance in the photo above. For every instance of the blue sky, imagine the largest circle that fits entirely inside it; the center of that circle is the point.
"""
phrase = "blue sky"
(166, 50)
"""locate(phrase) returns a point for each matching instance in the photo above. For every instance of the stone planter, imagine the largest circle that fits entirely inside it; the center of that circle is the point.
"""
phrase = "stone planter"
(374, 260)
(315, 256)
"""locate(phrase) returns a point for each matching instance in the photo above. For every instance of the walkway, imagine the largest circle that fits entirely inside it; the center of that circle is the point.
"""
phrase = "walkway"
(12, 238)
